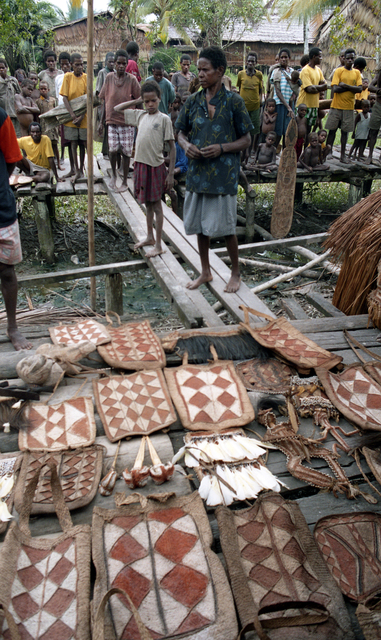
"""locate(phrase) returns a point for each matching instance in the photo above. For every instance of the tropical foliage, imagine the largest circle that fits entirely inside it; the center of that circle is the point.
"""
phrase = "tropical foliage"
(24, 31)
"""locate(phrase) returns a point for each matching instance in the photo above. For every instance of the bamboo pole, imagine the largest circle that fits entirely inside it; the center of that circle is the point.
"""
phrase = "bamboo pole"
(291, 274)
(90, 146)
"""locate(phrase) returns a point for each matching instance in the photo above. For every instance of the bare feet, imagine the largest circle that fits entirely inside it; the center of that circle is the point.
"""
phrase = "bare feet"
(202, 279)
(344, 160)
(144, 243)
(112, 183)
(156, 251)
(76, 177)
(233, 285)
(69, 175)
(18, 340)
(121, 189)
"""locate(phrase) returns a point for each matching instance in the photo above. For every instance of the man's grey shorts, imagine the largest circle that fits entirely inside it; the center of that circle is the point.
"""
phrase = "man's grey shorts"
(75, 133)
(212, 215)
(343, 118)
(375, 116)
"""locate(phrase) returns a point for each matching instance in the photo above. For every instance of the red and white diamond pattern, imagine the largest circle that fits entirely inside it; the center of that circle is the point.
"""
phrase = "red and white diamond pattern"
(66, 425)
(295, 349)
(357, 390)
(139, 403)
(43, 601)
(134, 346)
(162, 566)
(88, 330)
(208, 395)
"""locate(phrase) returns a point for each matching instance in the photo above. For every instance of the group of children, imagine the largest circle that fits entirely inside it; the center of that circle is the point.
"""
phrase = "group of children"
(311, 148)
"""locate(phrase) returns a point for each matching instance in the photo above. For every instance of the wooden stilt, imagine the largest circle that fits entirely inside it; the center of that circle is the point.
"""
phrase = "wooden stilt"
(114, 293)
(355, 194)
(90, 146)
(44, 229)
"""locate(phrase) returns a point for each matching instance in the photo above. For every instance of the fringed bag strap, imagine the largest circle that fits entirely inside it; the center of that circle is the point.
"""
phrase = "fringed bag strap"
(12, 626)
(98, 628)
(62, 511)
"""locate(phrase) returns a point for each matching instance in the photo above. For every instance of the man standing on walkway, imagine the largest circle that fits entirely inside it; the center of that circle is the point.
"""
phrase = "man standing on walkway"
(375, 116)
(167, 89)
(281, 79)
(10, 246)
(214, 128)
(118, 87)
(312, 83)
(250, 87)
(182, 79)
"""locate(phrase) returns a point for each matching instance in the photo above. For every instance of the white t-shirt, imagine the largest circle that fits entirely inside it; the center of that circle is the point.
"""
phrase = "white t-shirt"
(153, 131)
(58, 84)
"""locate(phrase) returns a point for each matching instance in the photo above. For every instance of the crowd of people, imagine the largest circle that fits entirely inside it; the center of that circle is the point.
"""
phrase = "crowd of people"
(180, 123)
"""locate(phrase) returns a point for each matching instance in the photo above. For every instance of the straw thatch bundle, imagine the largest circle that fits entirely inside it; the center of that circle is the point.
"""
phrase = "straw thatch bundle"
(355, 240)
(374, 301)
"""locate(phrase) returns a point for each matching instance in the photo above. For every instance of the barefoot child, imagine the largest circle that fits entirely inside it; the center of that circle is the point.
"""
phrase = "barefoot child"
(361, 131)
(46, 103)
(26, 109)
(301, 122)
(311, 158)
(75, 85)
(325, 148)
(150, 176)
(265, 157)
(32, 75)
(269, 118)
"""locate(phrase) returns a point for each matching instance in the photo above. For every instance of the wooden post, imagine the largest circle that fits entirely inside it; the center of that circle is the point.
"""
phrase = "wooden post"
(355, 194)
(250, 216)
(90, 146)
(114, 293)
(44, 229)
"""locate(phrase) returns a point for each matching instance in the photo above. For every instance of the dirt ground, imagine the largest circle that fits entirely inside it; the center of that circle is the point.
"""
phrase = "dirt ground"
(141, 295)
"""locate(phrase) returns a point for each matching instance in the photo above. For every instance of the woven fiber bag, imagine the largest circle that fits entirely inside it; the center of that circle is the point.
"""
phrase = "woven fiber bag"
(157, 550)
(289, 343)
(133, 346)
(210, 397)
(86, 330)
(79, 473)
(281, 587)
(45, 583)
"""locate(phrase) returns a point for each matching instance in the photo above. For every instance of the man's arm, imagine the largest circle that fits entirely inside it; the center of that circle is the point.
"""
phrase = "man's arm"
(10, 167)
(374, 86)
(239, 81)
(347, 87)
(282, 99)
(315, 88)
(128, 105)
(304, 158)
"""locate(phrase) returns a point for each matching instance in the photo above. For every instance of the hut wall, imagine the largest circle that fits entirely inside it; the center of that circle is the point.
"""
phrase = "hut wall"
(235, 52)
(107, 37)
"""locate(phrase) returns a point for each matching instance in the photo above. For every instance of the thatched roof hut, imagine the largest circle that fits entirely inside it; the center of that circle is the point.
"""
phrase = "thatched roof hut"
(363, 13)
(108, 36)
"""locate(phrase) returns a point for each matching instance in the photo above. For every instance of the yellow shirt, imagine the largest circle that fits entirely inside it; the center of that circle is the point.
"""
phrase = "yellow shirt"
(309, 76)
(345, 100)
(37, 153)
(73, 87)
(250, 88)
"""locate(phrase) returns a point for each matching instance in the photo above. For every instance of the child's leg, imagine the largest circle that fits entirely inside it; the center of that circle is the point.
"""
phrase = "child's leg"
(56, 153)
(150, 239)
(126, 166)
(113, 155)
(362, 145)
(353, 149)
(159, 218)
(82, 153)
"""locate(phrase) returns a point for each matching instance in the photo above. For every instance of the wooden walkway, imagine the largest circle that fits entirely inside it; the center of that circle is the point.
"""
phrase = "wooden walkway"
(191, 305)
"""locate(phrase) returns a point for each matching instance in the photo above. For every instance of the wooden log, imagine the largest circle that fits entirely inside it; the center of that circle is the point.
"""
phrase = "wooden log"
(273, 266)
(355, 193)
(323, 305)
(291, 274)
(250, 215)
(293, 309)
(301, 250)
(273, 245)
(114, 293)
(44, 229)
(83, 272)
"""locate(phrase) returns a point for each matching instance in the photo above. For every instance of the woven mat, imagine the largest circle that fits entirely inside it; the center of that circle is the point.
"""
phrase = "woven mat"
(210, 397)
(270, 376)
(136, 404)
(86, 330)
(9, 465)
(355, 394)
(272, 560)
(133, 346)
(290, 344)
(79, 472)
(160, 555)
(56, 427)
